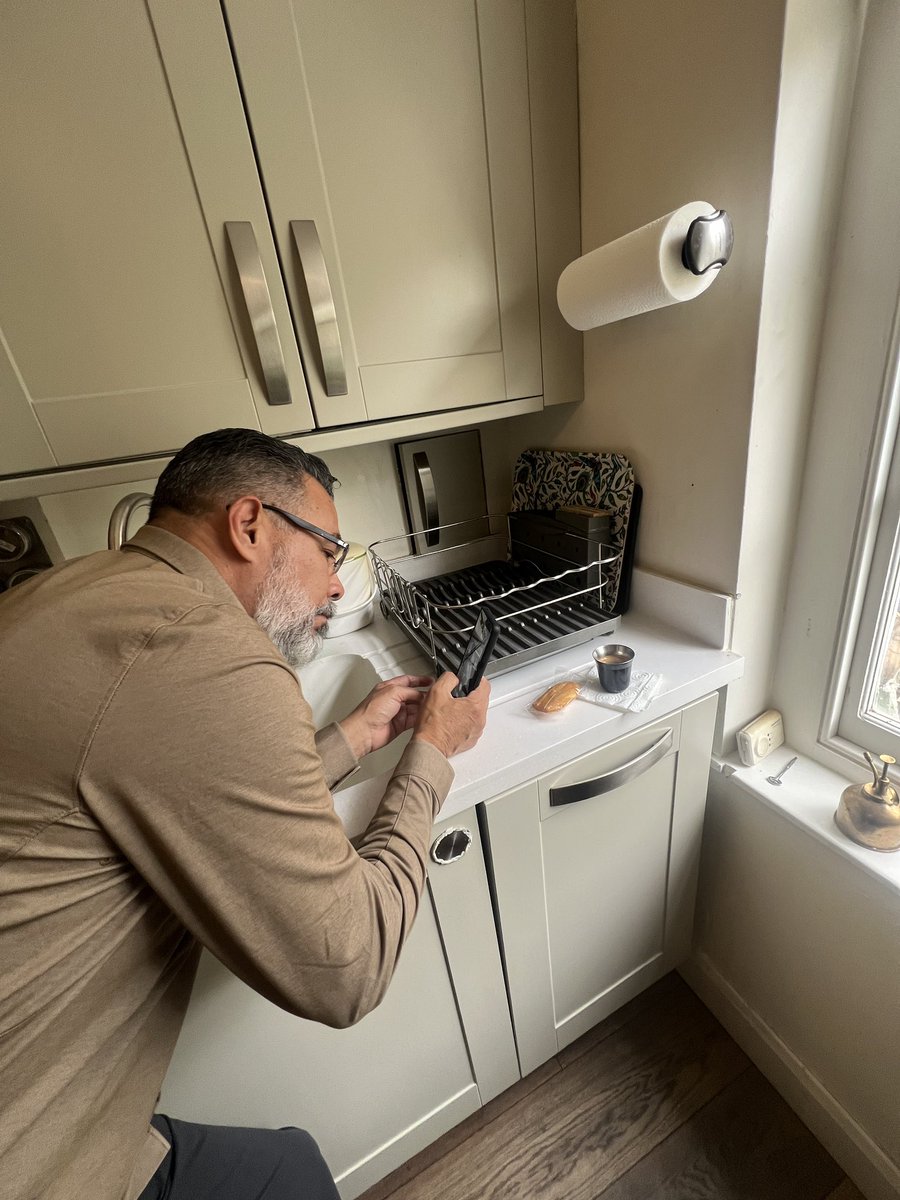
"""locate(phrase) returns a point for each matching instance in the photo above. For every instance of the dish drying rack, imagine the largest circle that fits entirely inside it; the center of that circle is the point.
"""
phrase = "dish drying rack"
(435, 596)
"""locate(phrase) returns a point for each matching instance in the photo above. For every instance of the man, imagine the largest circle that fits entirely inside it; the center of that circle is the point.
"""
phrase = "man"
(163, 789)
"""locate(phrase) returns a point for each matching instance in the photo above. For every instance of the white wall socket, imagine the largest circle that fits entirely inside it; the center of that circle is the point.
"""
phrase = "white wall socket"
(760, 737)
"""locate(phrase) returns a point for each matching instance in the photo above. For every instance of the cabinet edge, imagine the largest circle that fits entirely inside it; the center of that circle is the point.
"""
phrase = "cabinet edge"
(91, 475)
(552, 49)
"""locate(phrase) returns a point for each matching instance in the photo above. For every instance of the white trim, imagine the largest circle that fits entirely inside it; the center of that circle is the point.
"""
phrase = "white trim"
(849, 1144)
(845, 749)
(393, 1153)
(92, 475)
(878, 475)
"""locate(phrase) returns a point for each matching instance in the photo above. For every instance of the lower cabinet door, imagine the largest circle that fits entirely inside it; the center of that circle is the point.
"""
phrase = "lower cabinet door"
(580, 861)
(458, 884)
(372, 1095)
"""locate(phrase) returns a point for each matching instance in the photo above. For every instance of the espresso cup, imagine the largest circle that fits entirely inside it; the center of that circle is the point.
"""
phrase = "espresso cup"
(614, 667)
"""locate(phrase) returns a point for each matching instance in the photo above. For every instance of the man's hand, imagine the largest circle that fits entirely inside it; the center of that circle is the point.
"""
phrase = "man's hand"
(390, 709)
(452, 724)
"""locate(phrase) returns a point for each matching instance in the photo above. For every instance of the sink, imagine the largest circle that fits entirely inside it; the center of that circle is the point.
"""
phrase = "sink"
(333, 686)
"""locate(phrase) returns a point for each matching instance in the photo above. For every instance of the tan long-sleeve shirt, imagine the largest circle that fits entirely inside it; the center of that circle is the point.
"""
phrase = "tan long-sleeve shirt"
(162, 788)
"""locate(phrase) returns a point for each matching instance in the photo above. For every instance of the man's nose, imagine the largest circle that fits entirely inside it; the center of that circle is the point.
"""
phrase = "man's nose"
(336, 589)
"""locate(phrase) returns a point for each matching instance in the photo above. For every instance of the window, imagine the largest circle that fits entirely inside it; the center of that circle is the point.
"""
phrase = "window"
(865, 698)
(837, 679)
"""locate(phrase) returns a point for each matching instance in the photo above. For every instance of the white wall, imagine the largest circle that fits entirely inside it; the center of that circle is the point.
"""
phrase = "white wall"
(673, 389)
(711, 399)
(821, 49)
(797, 951)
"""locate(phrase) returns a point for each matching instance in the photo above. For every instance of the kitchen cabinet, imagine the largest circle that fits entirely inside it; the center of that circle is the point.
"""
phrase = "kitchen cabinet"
(594, 875)
(124, 326)
(397, 134)
(439, 1046)
(592, 900)
(282, 214)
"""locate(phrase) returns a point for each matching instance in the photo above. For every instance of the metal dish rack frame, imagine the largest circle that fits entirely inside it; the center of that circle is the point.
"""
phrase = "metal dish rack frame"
(537, 617)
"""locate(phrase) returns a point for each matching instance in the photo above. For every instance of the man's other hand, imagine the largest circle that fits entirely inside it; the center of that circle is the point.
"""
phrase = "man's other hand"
(452, 724)
(390, 709)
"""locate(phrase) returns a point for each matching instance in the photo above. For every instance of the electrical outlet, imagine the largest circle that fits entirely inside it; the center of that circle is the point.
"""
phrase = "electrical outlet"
(760, 737)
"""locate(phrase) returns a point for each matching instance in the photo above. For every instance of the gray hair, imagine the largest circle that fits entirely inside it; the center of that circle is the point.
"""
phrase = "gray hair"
(216, 468)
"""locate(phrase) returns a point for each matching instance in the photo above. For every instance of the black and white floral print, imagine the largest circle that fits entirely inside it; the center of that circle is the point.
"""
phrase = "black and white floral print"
(551, 479)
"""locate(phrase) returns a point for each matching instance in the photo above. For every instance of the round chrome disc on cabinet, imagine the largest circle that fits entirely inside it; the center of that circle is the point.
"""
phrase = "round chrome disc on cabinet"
(451, 845)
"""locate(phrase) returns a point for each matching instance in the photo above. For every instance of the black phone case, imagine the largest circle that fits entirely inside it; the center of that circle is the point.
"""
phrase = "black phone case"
(476, 655)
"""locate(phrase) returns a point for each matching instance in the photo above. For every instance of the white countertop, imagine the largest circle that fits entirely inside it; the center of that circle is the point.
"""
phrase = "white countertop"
(517, 744)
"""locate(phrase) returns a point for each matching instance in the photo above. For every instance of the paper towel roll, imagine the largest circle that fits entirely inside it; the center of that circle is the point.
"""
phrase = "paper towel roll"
(634, 274)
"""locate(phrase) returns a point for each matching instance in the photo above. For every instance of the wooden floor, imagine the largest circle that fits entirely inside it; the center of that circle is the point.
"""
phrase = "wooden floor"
(657, 1101)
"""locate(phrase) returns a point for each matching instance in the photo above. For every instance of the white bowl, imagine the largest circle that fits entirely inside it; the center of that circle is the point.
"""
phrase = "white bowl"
(356, 607)
(347, 620)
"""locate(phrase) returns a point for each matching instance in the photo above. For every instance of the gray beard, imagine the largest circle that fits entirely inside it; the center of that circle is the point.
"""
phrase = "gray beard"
(286, 614)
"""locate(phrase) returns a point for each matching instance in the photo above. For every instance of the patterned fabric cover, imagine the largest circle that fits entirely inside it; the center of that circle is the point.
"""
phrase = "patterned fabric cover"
(554, 478)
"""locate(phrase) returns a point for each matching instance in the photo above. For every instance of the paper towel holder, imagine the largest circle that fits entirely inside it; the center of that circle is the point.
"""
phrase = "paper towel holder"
(708, 243)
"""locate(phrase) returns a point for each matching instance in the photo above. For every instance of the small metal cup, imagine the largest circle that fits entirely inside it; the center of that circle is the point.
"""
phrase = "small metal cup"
(614, 667)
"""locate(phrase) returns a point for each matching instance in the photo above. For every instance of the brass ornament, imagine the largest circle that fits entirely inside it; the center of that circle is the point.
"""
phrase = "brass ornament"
(869, 813)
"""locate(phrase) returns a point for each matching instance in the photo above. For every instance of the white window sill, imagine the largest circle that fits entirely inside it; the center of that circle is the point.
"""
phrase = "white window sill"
(808, 796)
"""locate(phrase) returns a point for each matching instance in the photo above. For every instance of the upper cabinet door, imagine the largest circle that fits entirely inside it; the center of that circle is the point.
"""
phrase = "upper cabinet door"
(393, 141)
(126, 151)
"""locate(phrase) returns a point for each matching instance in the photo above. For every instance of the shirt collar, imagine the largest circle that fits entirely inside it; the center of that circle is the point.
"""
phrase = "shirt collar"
(182, 557)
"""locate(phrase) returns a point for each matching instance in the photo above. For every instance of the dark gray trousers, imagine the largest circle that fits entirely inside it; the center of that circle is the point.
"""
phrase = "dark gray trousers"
(218, 1162)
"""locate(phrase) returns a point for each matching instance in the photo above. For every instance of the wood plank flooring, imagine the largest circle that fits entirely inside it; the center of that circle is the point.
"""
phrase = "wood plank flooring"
(655, 1102)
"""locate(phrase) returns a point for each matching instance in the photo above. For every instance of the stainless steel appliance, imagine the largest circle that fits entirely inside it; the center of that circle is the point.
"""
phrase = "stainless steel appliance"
(443, 486)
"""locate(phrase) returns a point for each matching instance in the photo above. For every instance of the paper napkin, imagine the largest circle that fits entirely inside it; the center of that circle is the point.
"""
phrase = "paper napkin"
(641, 691)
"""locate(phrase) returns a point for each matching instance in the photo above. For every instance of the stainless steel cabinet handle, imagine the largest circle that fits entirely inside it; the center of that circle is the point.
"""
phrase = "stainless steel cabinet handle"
(588, 788)
(427, 497)
(321, 299)
(259, 308)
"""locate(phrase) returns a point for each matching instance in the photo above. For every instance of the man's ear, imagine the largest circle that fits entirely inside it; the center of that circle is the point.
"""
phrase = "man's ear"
(247, 530)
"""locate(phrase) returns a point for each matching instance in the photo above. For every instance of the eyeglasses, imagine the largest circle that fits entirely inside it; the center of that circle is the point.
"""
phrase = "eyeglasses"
(337, 560)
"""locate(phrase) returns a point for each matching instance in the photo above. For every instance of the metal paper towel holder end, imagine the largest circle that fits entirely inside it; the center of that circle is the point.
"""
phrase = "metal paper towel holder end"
(708, 243)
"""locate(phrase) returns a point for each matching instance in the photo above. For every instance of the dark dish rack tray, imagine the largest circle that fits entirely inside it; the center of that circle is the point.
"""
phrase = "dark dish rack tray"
(436, 596)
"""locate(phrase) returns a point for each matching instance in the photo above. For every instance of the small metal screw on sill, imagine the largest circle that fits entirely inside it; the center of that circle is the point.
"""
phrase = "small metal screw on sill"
(775, 780)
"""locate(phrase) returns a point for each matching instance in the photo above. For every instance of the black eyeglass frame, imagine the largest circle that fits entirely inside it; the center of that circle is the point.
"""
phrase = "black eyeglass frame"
(342, 546)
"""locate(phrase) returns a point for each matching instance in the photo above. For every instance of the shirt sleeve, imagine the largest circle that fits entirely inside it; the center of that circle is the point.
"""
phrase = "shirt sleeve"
(203, 767)
(338, 759)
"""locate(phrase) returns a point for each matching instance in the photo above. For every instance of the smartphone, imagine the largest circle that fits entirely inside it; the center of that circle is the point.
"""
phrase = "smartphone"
(477, 654)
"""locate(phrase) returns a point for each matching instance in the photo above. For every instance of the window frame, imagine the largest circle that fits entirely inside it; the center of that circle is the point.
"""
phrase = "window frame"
(854, 422)
(875, 559)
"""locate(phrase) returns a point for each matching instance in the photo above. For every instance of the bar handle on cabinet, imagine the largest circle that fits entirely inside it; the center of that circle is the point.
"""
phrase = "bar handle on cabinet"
(258, 300)
(589, 788)
(427, 497)
(321, 299)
